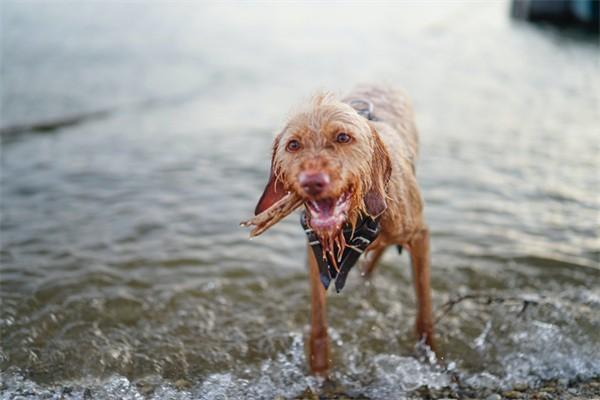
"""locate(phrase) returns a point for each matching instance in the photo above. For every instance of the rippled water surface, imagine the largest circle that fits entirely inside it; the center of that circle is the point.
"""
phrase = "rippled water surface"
(125, 274)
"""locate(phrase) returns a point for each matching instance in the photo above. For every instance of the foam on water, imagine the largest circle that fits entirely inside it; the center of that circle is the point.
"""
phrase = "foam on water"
(516, 353)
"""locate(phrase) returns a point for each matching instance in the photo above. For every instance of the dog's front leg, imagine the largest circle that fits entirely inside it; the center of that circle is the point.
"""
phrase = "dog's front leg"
(419, 252)
(318, 349)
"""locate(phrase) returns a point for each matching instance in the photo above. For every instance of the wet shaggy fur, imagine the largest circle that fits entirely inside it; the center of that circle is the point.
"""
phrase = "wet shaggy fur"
(379, 161)
(378, 167)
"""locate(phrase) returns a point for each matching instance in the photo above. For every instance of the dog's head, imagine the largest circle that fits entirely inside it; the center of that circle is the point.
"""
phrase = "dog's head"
(331, 157)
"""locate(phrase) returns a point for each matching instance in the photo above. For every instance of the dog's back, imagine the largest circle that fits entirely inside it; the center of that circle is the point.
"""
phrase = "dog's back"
(392, 107)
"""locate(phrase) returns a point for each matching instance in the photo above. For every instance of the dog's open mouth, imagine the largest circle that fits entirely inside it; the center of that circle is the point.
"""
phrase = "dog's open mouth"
(328, 215)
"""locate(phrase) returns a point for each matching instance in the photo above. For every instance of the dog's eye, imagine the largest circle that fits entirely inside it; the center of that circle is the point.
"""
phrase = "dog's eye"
(343, 138)
(293, 145)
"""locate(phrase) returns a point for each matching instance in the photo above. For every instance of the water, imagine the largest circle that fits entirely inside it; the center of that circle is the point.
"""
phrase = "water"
(125, 274)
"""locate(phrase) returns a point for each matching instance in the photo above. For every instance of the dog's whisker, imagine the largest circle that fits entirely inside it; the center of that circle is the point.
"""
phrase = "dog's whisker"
(334, 260)
(341, 242)
(339, 246)
(353, 224)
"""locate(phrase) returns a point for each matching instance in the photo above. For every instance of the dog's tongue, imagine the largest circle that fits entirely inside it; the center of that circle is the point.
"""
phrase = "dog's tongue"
(327, 215)
(324, 208)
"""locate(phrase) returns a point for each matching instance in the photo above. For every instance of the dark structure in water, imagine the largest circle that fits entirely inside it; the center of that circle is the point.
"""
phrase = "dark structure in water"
(576, 13)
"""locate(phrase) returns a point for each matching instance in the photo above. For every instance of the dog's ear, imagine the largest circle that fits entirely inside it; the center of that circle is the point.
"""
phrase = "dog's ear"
(274, 190)
(381, 167)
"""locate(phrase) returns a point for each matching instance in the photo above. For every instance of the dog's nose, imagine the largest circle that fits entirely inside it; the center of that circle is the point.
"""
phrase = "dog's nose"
(313, 183)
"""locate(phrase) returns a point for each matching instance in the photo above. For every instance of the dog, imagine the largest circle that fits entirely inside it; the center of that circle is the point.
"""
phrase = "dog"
(344, 160)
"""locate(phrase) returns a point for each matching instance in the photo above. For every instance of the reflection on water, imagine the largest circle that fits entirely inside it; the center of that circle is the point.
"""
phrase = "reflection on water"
(124, 271)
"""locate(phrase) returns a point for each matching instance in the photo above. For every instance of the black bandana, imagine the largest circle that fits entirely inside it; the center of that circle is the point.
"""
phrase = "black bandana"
(367, 230)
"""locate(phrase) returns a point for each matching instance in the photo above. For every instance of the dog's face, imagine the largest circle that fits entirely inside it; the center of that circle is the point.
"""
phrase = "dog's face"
(331, 157)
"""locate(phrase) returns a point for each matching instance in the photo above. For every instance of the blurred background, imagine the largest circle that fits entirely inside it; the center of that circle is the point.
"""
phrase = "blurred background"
(136, 136)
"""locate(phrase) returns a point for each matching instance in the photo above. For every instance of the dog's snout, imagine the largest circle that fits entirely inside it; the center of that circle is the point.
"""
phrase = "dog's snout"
(313, 183)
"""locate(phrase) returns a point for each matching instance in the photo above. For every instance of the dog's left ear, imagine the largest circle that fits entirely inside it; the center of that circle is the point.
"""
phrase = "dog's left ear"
(375, 196)
(274, 190)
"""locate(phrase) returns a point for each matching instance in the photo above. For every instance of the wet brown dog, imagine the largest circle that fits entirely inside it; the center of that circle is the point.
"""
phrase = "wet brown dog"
(340, 165)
